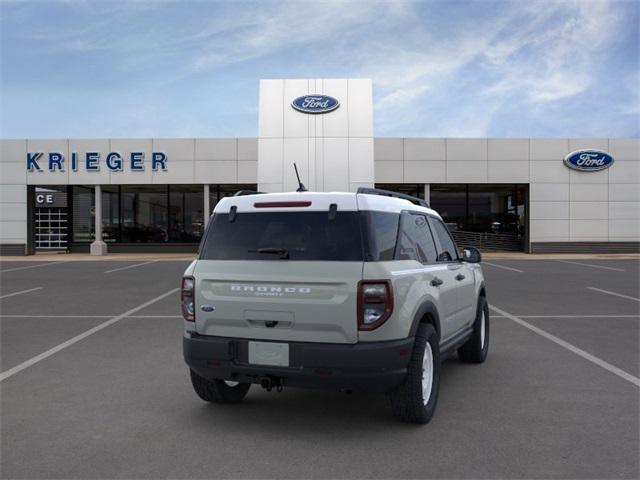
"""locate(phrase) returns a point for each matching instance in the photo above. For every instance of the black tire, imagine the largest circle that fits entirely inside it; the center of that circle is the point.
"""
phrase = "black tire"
(406, 400)
(475, 349)
(217, 391)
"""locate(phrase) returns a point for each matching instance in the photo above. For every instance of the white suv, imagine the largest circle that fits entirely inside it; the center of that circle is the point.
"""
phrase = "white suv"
(354, 291)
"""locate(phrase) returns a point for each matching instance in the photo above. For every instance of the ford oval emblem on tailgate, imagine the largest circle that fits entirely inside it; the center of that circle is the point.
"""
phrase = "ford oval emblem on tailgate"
(207, 308)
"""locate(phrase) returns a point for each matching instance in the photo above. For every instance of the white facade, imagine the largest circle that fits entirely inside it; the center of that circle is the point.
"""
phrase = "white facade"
(564, 204)
(189, 161)
(336, 151)
(333, 151)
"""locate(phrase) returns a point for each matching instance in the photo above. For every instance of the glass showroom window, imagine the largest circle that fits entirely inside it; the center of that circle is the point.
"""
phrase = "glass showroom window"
(83, 205)
(146, 213)
(83, 201)
(110, 214)
(186, 213)
(217, 192)
(450, 201)
(491, 208)
(144, 210)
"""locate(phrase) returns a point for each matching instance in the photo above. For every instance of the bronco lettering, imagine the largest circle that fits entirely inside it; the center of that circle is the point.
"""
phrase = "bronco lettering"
(269, 289)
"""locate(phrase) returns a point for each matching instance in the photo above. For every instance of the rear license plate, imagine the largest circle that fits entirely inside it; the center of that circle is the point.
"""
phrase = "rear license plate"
(269, 353)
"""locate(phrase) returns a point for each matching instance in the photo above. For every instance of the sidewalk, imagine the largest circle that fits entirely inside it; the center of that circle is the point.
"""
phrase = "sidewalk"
(558, 256)
(132, 257)
(112, 257)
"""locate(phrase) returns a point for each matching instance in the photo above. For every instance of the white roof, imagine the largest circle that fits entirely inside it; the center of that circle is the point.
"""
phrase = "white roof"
(319, 201)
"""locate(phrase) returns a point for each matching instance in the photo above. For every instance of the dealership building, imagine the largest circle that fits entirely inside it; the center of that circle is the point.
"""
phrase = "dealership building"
(156, 194)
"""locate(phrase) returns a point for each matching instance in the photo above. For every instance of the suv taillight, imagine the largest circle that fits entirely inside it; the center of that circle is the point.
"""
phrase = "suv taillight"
(187, 299)
(375, 303)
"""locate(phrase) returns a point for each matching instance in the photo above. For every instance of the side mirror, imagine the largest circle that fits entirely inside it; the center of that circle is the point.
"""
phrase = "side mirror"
(471, 255)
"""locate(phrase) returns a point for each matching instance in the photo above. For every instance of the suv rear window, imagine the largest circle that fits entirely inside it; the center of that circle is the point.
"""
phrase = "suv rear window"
(268, 235)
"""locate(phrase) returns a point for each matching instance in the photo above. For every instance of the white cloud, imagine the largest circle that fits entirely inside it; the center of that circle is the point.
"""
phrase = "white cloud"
(530, 52)
(271, 28)
(438, 68)
(552, 62)
(402, 96)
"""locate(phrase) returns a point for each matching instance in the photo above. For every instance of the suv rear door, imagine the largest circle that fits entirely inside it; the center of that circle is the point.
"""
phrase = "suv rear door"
(279, 272)
(461, 275)
(416, 241)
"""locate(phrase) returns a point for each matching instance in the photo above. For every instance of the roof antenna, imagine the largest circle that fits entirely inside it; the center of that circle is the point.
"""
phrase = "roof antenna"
(301, 187)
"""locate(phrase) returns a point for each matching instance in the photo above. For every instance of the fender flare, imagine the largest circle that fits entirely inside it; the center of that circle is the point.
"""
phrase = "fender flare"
(428, 307)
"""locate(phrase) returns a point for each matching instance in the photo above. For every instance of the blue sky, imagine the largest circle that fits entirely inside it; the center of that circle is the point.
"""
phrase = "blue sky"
(93, 69)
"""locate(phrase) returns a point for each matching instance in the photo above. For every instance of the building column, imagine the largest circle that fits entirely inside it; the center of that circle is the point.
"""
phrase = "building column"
(98, 247)
(207, 208)
(31, 221)
(427, 193)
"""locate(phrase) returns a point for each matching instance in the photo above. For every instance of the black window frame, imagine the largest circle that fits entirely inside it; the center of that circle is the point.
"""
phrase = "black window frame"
(432, 219)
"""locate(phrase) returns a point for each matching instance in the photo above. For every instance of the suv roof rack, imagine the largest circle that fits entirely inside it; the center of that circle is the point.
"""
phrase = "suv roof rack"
(389, 193)
(242, 193)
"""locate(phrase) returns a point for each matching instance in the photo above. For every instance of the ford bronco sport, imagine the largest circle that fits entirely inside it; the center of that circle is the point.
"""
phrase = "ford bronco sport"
(357, 291)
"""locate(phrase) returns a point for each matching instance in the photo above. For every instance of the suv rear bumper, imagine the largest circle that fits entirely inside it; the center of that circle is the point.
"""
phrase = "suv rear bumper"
(370, 366)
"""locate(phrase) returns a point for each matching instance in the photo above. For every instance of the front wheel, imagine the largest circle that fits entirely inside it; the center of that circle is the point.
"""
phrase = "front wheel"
(218, 391)
(415, 400)
(476, 348)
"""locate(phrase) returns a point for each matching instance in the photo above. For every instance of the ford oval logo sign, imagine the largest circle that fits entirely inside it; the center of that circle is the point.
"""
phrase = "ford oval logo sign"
(315, 104)
(588, 160)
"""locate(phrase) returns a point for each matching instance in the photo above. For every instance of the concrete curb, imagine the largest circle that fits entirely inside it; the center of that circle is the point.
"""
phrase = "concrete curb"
(559, 256)
(126, 257)
(112, 257)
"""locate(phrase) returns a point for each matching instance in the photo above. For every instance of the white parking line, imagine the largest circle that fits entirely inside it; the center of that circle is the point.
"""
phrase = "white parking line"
(33, 266)
(578, 316)
(131, 266)
(502, 266)
(568, 316)
(604, 267)
(38, 358)
(20, 292)
(88, 316)
(57, 316)
(614, 294)
(572, 348)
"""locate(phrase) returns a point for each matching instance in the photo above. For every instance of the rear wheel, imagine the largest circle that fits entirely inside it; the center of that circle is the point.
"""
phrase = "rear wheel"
(476, 348)
(415, 399)
(219, 391)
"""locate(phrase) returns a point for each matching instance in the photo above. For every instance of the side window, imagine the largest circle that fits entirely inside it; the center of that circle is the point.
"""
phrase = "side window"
(448, 251)
(415, 241)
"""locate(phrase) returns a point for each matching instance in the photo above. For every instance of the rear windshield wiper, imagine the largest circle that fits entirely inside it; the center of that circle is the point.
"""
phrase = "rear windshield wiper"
(283, 252)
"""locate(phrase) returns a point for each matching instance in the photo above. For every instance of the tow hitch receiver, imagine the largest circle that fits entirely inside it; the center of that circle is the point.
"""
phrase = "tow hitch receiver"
(269, 383)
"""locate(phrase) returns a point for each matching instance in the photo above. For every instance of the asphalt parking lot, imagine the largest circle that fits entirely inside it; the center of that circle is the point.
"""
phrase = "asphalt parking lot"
(93, 385)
